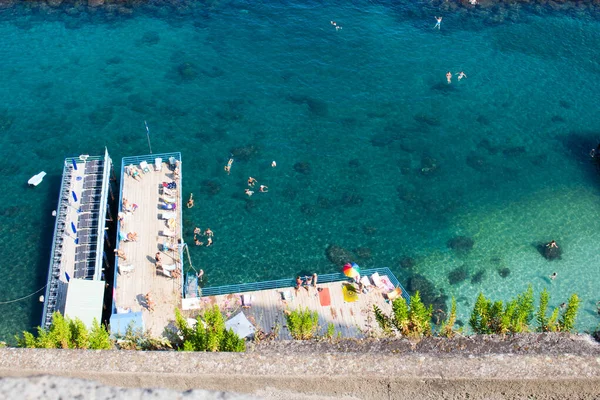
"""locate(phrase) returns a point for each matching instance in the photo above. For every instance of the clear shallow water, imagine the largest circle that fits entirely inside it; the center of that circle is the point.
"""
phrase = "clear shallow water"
(366, 107)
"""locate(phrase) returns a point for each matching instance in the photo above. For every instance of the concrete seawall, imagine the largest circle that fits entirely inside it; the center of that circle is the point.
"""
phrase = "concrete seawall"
(432, 369)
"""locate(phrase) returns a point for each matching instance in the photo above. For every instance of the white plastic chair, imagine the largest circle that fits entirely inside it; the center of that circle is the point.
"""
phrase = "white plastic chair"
(158, 164)
(144, 167)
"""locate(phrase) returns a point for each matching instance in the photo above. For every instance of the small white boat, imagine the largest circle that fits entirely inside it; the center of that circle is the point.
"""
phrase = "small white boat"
(36, 179)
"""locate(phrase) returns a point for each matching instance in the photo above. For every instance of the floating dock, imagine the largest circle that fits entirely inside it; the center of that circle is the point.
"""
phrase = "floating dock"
(264, 303)
(150, 222)
(78, 258)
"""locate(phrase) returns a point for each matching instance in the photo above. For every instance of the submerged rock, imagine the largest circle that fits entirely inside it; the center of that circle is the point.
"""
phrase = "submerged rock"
(458, 275)
(210, 187)
(302, 167)
(551, 251)
(478, 276)
(504, 272)
(338, 255)
(244, 153)
(407, 262)
(461, 244)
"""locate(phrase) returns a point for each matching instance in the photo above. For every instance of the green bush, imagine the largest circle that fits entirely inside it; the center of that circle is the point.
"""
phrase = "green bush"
(567, 320)
(516, 316)
(67, 334)
(302, 324)
(447, 327)
(209, 333)
(496, 317)
(136, 339)
(412, 319)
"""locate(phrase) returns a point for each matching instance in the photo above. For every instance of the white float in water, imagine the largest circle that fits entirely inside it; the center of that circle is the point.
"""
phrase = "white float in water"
(36, 179)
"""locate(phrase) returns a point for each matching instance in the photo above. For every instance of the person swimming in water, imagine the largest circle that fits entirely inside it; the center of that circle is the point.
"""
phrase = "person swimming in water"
(449, 77)
(248, 192)
(263, 188)
(190, 202)
(251, 181)
(227, 168)
(438, 22)
(461, 75)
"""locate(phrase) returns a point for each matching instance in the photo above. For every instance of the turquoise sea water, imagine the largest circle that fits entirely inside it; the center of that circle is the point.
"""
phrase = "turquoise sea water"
(375, 151)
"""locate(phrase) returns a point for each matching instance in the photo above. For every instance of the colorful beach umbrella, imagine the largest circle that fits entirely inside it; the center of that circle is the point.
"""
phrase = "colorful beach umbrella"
(351, 270)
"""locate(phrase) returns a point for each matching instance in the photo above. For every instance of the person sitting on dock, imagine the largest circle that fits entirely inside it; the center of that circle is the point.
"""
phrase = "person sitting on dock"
(132, 237)
(298, 283)
(306, 282)
(158, 259)
(314, 280)
(190, 202)
(149, 302)
(121, 254)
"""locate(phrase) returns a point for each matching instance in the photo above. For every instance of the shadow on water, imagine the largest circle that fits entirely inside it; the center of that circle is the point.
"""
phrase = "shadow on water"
(578, 146)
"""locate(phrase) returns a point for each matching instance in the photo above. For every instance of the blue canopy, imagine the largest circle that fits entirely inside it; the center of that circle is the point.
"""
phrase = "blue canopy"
(120, 322)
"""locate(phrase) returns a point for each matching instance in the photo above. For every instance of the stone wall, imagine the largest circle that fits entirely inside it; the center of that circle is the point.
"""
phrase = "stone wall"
(542, 366)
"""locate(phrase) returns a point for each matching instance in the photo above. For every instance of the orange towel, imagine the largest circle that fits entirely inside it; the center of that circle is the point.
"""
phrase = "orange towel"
(325, 297)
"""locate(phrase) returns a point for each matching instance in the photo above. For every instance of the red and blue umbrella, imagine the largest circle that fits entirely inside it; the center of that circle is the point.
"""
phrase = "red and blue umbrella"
(351, 270)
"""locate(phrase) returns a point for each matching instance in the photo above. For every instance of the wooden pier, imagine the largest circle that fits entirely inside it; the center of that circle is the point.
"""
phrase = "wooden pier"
(350, 319)
(138, 274)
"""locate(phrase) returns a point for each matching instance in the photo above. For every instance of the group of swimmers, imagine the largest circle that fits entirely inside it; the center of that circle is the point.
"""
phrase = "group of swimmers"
(252, 182)
(438, 24)
(208, 233)
(460, 74)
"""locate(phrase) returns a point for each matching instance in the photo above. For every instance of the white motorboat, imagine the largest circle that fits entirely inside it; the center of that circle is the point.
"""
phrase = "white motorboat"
(36, 179)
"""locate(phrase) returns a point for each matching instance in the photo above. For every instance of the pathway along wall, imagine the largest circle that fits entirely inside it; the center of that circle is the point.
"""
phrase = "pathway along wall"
(540, 366)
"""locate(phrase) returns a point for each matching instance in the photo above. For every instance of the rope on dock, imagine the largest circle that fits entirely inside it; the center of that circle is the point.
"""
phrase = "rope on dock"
(25, 297)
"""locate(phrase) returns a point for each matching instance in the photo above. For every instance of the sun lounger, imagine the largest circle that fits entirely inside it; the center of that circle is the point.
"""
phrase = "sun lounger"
(158, 164)
(166, 246)
(376, 279)
(170, 267)
(387, 284)
(394, 294)
(247, 300)
(169, 192)
(168, 199)
(144, 167)
(167, 233)
(168, 215)
(125, 268)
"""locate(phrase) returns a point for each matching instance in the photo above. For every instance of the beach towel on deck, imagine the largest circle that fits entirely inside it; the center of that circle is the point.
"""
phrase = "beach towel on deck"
(325, 297)
(385, 280)
(350, 295)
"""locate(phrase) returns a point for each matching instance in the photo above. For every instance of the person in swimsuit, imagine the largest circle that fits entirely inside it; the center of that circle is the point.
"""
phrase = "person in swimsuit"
(208, 232)
(438, 22)
(263, 189)
(461, 75)
(251, 181)
(449, 77)
(190, 202)
(248, 192)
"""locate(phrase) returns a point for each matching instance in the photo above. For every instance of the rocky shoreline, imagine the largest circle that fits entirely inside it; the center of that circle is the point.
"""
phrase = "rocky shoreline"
(487, 11)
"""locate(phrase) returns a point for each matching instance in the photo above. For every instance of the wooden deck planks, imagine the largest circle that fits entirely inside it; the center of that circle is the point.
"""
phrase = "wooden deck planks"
(132, 286)
(350, 319)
